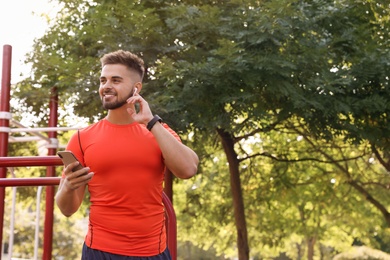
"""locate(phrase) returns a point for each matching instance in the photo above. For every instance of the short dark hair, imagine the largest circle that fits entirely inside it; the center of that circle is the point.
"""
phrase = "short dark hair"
(126, 58)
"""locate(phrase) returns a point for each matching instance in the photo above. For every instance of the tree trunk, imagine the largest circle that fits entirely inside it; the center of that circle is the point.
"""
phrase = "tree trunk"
(310, 248)
(299, 251)
(238, 202)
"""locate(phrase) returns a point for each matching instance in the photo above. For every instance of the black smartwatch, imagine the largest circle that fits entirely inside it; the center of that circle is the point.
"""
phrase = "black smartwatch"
(152, 122)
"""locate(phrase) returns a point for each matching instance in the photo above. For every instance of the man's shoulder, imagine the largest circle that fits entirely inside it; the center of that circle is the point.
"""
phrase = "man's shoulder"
(92, 127)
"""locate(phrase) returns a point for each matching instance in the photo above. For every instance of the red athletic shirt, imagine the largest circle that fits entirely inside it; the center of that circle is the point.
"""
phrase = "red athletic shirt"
(127, 214)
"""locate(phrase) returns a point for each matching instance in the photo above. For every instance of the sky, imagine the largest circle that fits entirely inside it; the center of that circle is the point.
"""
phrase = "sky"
(21, 21)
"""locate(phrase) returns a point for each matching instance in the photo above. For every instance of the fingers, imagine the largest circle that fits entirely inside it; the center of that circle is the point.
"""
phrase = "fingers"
(78, 181)
(136, 98)
(78, 178)
(144, 113)
(74, 166)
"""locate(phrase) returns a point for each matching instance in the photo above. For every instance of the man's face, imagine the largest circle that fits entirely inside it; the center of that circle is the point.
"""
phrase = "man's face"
(116, 85)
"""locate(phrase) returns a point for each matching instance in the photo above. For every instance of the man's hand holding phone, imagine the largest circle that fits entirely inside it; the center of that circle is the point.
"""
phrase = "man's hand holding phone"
(74, 175)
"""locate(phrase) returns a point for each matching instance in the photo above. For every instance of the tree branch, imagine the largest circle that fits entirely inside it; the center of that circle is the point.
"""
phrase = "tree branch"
(266, 154)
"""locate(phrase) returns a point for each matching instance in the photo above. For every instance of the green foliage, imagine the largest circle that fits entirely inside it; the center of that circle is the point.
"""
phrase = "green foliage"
(294, 190)
(68, 234)
(322, 60)
(302, 86)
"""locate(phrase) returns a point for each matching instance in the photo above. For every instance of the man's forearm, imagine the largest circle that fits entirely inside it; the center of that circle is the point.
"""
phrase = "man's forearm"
(69, 201)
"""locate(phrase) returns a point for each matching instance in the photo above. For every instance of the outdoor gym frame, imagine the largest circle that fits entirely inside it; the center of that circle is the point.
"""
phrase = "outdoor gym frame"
(50, 161)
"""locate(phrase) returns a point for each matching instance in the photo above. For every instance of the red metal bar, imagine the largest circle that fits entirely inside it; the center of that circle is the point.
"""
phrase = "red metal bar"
(168, 184)
(38, 181)
(171, 226)
(50, 172)
(4, 123)
(25, 161)
(5, 97)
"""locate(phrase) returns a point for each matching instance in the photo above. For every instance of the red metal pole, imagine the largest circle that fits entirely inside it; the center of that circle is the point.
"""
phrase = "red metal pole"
(171, 226)
(4, 124)
(168, 184)
(50, 172)
(19, 182)
(25, 161)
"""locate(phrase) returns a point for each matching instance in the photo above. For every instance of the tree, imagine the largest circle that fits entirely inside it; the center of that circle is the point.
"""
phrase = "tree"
(269, 61)
(296, 194)
(233, 69)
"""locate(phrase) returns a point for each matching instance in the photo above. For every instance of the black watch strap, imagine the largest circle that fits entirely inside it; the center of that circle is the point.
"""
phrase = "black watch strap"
(152, 122)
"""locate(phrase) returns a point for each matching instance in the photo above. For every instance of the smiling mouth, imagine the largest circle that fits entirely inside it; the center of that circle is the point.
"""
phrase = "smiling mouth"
(108, 96)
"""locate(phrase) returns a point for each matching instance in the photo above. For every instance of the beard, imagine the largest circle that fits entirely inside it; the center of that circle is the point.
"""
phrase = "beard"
(117, 103)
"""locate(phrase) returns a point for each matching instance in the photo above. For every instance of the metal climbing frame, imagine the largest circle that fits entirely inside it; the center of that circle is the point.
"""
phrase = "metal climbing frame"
(50, 161)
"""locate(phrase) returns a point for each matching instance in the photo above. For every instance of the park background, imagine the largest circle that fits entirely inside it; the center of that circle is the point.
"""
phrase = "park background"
(285, 102)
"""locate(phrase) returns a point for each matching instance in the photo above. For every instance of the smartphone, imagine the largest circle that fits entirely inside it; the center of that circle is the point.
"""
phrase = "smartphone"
(67, 158)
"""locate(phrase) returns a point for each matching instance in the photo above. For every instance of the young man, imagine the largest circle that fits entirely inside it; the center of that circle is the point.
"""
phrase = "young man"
(124, 155)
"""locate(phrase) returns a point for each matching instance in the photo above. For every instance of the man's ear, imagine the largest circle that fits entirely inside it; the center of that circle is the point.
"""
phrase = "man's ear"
(138, 85)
